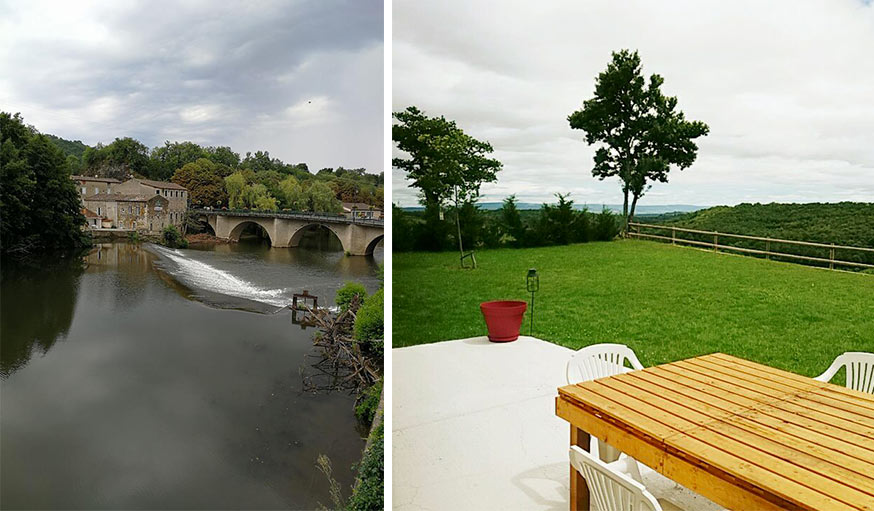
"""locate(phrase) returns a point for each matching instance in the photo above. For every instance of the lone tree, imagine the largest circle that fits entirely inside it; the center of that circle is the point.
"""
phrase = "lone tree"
(445, 164)
(639, 131)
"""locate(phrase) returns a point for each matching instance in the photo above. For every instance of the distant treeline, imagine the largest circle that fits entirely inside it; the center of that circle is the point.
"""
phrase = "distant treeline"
(552, 224)
(209, 166)
(843, 223)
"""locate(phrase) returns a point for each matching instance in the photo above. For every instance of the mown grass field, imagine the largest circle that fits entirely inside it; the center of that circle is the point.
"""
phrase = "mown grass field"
(665, 302)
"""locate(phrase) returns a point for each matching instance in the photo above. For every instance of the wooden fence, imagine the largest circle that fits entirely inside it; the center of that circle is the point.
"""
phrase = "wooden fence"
(867, 254)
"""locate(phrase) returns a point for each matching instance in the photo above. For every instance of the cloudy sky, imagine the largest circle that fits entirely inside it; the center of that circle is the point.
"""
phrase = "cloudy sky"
(787, 88)
(302, 79)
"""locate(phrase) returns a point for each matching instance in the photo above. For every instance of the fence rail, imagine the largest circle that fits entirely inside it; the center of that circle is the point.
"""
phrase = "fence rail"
(831, 260)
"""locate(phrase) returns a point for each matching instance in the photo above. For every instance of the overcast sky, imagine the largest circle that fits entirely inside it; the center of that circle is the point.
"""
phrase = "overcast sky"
(787, 89)
(301, 79)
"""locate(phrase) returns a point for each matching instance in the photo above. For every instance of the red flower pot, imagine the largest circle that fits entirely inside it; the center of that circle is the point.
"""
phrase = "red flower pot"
(503, 319)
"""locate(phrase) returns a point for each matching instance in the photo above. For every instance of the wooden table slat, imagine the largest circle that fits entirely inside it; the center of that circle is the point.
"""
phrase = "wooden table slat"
(804, 440)
(838, 400)
(750, 447)
(840, 391)
(786, 401)
(745, 435)
(852, 441)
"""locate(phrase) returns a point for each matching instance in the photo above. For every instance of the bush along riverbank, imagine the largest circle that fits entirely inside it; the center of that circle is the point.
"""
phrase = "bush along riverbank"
(351, 342)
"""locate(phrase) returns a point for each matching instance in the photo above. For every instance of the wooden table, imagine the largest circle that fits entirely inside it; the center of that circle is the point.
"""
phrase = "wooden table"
(744, 435)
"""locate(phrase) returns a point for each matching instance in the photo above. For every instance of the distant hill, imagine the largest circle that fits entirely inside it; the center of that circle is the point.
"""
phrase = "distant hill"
(616, 208)
(70, 147)
(842, 223)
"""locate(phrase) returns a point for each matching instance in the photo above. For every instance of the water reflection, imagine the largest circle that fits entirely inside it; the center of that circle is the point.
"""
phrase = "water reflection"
(36, 310)
(156, 401)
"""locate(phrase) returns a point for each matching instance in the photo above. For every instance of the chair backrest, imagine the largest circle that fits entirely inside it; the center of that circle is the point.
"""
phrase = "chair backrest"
(860, 370)
(609, 489)
(599, 361)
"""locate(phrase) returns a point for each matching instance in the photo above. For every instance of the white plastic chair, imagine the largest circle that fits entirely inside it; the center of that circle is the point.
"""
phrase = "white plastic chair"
(860, 370)
(612, 490)
(599, 361)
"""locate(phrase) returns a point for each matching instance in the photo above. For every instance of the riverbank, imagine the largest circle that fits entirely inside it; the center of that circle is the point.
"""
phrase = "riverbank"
(205, 239)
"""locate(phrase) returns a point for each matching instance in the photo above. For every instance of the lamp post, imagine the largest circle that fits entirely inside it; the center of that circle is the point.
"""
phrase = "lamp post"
(533, 281)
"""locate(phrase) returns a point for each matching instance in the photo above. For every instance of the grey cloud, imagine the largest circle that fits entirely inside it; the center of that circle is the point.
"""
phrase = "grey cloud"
(785, 87)
(210, 72)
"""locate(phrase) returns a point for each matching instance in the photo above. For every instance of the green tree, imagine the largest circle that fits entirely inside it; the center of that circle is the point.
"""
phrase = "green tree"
(445, 164)
(39, 203)
(511, 222)
(174, 155)
(291, 194)
(639, 130)
(235, 185)
(224, 156)
(204, 181)
(320, 199)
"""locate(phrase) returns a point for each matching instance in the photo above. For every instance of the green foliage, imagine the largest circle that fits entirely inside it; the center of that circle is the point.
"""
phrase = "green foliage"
(119, 160)
(171, 156)
(291, 194)
(665, 302)
(445, 164)
(38, 200)
(843, 223)
(369, 328)
(553, 224)
(204, 180)
(639, 132)
(365, 410)
(73, 148)
(320, 198)
(368, 494)
(133, 237)
(349, 290)
(171, 238)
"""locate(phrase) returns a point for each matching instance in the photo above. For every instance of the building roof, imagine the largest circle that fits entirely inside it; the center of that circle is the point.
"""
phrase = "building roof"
(116, 197)
(90, 214)
(162, 184)
(95, 178)
(360, 206)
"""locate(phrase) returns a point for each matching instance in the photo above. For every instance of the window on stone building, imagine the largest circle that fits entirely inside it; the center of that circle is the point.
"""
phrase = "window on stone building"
(84, 190)
(157, 192)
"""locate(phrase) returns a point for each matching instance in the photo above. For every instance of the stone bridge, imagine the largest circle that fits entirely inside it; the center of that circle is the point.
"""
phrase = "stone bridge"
(358, 236)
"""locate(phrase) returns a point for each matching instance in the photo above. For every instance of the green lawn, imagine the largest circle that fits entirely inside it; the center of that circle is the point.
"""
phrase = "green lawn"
(665, 302)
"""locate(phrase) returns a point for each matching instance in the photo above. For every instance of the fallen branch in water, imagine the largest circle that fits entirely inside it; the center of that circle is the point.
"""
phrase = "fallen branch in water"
(343, 365)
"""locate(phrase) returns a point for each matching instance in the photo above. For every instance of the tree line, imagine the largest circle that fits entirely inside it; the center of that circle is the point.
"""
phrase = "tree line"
(218, 177)
(639, 133)
(552, 224)
(39, 203)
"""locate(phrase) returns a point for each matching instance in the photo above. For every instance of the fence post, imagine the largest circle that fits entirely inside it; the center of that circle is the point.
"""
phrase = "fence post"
(831, 256)
(716, 241)
(673, 236)
(768, 248)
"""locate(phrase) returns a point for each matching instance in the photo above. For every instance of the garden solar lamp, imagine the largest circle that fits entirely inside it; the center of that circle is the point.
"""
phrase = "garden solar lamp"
(533, 280)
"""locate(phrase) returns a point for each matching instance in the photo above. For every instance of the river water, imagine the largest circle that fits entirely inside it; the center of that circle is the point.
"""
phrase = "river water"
(152, 378)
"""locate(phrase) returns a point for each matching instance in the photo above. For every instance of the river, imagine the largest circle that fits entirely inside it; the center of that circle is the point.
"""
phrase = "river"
(151, 378)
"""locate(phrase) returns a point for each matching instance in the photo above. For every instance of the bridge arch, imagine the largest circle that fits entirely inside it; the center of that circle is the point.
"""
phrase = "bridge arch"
(238, 229)
(371, 245)
(302, 229)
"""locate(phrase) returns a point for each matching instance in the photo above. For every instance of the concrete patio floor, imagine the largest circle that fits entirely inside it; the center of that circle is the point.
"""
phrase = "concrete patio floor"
(474, 427)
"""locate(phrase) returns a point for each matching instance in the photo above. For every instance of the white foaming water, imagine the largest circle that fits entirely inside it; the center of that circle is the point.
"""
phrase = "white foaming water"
(203, 276)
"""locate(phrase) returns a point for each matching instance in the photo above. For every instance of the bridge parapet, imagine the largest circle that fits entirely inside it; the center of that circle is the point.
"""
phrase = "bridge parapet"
(292, 215)
(359, 236)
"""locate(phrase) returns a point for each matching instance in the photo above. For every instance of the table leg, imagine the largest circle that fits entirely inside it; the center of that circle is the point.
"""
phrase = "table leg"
(579, 488)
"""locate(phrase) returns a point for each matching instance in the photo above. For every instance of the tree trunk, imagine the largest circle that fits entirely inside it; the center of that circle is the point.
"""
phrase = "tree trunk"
(458, 223)
(625, 211)
(631, 213)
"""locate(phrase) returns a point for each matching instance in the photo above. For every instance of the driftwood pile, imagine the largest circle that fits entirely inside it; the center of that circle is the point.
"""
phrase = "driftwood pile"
(342, 365)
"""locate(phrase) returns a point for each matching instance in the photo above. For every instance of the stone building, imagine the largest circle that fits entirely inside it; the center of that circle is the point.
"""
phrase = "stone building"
(176, 195)
(88, 185)
(361, 210)
(130, 211)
